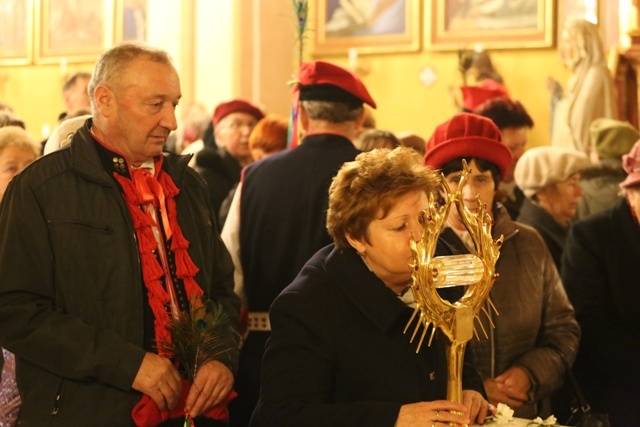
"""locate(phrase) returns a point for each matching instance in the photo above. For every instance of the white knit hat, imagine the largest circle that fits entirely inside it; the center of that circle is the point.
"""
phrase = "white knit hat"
(542, 166)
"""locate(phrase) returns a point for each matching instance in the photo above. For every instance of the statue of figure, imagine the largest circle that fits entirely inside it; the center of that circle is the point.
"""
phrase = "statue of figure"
(589, 92)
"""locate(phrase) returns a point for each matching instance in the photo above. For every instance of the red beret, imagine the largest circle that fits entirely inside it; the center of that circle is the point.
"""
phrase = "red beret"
(236, 106)
(473, 96)
(467, 135)
(323, 81)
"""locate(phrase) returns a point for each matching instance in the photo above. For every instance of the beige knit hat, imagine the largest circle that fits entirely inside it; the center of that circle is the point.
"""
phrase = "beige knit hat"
(612, 138)
(542, 166)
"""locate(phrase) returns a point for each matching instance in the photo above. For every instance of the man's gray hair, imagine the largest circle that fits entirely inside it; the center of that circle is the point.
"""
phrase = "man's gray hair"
(334, 112)
(112, 63)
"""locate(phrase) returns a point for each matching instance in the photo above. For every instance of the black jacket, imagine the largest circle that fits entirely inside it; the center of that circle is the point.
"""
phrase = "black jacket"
(71, 292)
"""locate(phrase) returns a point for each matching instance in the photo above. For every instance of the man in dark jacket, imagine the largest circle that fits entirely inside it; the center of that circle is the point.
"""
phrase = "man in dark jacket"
(104, 242)
(283, 200)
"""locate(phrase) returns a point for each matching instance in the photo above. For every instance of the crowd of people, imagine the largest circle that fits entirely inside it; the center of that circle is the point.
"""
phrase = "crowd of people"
(158, 271)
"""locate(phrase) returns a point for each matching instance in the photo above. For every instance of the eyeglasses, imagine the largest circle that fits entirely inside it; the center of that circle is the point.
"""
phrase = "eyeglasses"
(236, 125)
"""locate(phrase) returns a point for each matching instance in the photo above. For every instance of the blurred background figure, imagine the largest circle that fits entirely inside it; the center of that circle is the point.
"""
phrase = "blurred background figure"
(589, 93)
(269, 136)
(187, 139)
(75, 94)
(550, 180)
(8, 118)
(412, 140)
(480, 80)
(600, 271)
(610, 140)
(375, 138)
(514, 123)
(17, 149)
(233, 122)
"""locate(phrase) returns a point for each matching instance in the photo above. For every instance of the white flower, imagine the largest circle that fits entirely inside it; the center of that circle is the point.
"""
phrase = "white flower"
(504, 414)
(550, 421)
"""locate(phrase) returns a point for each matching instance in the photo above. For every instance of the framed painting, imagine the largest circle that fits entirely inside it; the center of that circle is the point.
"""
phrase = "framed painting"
(76, 30)
(458, 24)
(16, 32)
(370, 26)
(132, 17)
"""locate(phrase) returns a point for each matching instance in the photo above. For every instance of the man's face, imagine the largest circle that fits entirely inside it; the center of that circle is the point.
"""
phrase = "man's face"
(232, 133)
(142, 112)
(77, 98)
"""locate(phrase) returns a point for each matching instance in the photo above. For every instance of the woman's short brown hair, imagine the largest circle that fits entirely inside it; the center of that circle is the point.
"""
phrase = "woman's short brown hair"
(368, 187)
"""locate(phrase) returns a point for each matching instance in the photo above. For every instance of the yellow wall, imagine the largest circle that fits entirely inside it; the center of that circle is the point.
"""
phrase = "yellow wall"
(404, 102)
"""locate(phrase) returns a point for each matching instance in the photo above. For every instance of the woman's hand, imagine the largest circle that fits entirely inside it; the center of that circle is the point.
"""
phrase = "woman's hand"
(477, 407)
(438, 413)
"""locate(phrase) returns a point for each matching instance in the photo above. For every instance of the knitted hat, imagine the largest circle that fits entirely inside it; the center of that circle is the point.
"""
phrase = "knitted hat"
(323, 81)
(236, 106)
(467, 135)
(612, 138)
(542, 166)
(631, 164)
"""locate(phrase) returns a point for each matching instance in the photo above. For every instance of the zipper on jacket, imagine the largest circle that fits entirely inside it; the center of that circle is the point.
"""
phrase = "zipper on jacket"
(56, 403)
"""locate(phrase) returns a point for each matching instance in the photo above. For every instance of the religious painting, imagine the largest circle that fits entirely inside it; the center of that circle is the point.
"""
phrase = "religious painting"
(77, 30)
(16, 32)
(132, 17)
(514, 24)
(370, 26)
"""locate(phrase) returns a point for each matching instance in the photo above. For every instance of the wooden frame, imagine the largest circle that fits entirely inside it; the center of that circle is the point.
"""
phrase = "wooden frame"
(16, 32)
(452, 27)
(132, 18)
(341, 25)
(72, 30)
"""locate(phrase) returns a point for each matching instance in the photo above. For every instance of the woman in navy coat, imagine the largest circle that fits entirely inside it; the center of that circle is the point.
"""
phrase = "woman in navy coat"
(337, 355)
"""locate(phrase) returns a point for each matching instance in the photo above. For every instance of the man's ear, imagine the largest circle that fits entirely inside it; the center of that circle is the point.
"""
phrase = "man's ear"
(357, 244)
(303, 117)
(105, 100)
(360, 119)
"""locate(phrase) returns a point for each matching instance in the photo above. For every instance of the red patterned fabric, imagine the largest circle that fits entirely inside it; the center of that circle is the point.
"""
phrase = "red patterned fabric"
(147, 414)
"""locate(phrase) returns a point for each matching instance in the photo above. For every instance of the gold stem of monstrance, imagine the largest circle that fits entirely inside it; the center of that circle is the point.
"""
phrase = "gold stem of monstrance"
(477, 271)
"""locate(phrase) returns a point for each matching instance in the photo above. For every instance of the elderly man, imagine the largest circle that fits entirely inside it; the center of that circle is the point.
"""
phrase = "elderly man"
(104, 241)
(233, 122)
(283, 202)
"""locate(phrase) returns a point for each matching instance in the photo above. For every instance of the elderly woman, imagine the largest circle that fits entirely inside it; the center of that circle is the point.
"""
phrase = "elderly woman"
(521, 362)
(17, 149)
(550, 180)
(337, 355)
(600, 272)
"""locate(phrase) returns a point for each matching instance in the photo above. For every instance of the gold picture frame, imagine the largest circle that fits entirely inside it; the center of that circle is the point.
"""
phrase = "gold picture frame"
(132, 19)
(453, 27)
(72, 30)
(342, 25)
(16, 32)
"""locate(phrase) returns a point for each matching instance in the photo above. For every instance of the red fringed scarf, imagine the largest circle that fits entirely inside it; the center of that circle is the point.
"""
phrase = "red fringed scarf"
(163, 196)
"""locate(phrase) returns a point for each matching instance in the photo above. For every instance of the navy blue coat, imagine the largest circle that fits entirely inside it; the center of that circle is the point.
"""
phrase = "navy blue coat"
(338, 356)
